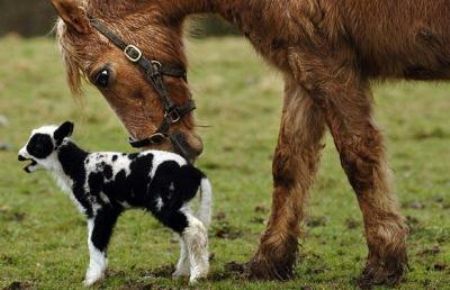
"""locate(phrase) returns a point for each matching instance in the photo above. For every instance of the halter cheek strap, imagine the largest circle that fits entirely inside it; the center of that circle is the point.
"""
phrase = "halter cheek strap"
(154, 72)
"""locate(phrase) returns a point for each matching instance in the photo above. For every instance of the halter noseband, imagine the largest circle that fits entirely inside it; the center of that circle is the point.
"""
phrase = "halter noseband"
(154, 72)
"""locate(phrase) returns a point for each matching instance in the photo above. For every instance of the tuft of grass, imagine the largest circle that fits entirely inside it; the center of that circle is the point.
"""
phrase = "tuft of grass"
(43, 238)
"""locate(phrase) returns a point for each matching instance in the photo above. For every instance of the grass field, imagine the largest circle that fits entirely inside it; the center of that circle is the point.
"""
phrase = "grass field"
(43, 237)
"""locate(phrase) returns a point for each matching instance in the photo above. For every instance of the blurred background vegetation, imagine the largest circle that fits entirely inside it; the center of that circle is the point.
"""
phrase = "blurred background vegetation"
(36, 18)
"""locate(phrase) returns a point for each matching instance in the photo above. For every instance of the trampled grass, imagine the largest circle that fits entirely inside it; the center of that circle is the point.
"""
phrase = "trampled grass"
(43, 237)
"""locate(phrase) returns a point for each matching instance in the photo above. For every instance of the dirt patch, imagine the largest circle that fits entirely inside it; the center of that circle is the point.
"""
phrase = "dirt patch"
(235, 267)
(143, 286)
(10, 215)
(315, 222)
(212, 165)
(220, 216)
(7, 260)
(257, 220)
(261, 209)
(162, 271)
(417, 205)
(16, 285)
(232, 270)
(413, 223)
(438, 199)
(351, 224)
(439, 267)
(5, 146)
(138, 286)
(224, 230)
(430, 251)
(436, 133)
(114, 273)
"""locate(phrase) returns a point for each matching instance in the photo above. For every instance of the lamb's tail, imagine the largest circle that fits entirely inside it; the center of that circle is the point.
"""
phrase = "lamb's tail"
(204, 211)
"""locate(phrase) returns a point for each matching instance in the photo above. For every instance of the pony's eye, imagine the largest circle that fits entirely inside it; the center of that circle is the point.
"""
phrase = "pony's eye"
(102, 78)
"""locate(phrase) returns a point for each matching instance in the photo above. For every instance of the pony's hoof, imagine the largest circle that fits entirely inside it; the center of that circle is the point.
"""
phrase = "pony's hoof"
(382, 274)
(263, 269)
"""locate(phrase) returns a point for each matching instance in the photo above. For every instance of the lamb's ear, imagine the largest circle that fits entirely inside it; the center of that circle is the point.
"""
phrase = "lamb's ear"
(73, 15)
(65, 130)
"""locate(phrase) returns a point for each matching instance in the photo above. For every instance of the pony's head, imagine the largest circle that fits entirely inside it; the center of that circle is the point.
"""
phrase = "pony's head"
(102, 41)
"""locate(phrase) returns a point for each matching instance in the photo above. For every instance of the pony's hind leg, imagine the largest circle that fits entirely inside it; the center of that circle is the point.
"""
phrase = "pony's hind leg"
(336, 82)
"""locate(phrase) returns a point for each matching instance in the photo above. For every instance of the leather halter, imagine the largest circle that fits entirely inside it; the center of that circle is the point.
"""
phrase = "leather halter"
(154, 72)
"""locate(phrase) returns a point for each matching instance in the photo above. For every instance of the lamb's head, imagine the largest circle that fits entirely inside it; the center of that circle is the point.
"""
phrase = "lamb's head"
(42, 146)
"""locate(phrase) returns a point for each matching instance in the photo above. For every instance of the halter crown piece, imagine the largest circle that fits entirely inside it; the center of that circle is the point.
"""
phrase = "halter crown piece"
(153, 73)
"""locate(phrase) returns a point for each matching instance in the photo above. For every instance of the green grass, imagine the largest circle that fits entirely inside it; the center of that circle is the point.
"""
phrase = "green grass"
(43, 238)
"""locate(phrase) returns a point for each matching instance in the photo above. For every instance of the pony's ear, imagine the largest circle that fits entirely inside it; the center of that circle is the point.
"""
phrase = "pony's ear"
(73, 15)
(65, 130)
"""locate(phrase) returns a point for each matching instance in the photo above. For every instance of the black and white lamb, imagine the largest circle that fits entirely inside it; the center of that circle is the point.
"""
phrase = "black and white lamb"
(105, 184)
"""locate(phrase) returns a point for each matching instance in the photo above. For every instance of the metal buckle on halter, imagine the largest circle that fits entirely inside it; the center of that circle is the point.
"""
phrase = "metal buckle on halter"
(173, 115)
(133, 53)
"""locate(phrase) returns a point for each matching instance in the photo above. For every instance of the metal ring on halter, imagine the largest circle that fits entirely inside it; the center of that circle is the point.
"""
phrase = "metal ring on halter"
(156, 64)
(133, 53)
(173, 115)
(157, 138)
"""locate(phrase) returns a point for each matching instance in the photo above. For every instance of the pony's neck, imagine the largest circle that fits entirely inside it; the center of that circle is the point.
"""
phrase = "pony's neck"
(264, 23)
(229, 9)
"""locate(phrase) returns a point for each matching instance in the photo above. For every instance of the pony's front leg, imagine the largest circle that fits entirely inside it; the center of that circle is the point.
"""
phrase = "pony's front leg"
(294, 167)
(100, 229)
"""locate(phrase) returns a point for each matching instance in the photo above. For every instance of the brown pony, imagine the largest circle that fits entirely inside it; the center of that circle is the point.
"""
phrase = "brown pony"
(327, 50)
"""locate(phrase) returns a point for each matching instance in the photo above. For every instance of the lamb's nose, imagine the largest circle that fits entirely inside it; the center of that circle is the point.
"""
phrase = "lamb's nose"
(21, 158)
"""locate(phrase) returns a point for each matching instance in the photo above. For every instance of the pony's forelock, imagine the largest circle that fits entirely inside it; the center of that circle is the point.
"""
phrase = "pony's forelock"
(71, 59)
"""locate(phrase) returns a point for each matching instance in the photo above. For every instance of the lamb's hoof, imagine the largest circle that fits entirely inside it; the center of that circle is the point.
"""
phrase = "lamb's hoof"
(389, 274)
(89, 283)
(198, 276)
(179, 274)
(92, 279)
(196, 280)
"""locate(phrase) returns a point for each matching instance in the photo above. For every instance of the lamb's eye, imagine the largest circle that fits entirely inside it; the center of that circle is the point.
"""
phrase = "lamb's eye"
(102, 78)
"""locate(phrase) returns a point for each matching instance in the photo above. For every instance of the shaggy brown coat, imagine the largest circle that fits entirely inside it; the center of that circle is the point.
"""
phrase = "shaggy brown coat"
(328, 51)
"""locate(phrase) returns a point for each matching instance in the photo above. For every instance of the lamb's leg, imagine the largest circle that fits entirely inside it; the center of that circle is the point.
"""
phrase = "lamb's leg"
(100, 229)
(183, 267)
(195, 237)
